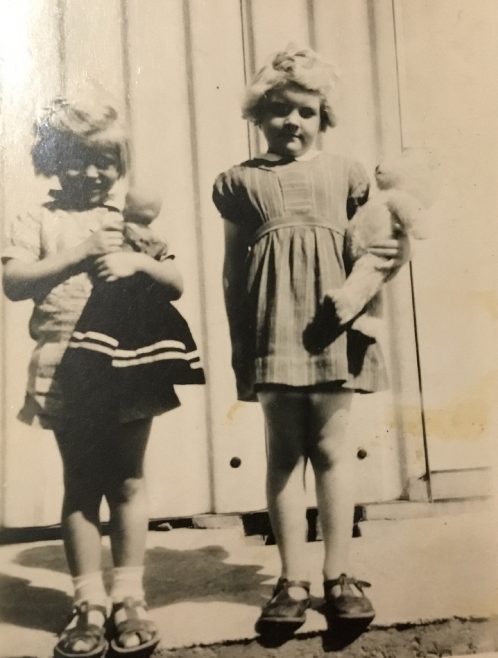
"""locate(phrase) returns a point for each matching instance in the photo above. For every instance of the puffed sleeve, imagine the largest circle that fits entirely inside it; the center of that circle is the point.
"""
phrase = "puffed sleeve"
(225, 196)
(24, 239)
(358, 188)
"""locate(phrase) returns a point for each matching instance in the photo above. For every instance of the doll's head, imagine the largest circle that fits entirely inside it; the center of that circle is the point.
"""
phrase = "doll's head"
(83, 143)
(141, 206)
(300, 69)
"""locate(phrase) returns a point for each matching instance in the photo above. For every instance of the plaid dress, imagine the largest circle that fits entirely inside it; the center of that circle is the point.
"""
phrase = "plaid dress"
(297, 213)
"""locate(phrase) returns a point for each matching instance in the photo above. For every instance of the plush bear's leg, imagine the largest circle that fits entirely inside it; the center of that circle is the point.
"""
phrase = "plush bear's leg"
(342, 305)
(345, 306)
(369, 322)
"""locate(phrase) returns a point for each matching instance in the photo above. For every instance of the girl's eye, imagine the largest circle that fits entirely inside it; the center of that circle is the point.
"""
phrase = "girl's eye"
(278, 109)
(104, 162)
(307, 112)
(74, 165)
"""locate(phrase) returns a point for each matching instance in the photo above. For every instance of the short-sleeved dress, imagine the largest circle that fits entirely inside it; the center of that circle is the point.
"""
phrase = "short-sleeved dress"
(45, 231)
(296, 212)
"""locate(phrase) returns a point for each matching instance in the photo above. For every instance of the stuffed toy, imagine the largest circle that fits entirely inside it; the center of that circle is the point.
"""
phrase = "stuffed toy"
(140, 210)
(407, 188)
(130, 342)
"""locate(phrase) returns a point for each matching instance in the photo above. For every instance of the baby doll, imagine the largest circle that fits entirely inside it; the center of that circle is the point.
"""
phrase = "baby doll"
(140, 210)
(127, 346)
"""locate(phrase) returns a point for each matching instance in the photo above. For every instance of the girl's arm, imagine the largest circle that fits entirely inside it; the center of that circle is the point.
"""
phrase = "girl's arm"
(31, 280)
(395, 252)
(112, 267)
(236, 246)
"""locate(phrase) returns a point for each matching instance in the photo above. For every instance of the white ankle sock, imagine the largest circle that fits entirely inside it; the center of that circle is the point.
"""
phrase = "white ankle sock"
(127, 581)
(90, 587)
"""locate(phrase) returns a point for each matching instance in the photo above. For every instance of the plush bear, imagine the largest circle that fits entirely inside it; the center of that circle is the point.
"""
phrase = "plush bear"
(407, 188)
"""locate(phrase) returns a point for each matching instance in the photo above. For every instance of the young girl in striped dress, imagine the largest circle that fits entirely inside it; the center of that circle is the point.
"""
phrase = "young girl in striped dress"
(286, 213)
(58, 254)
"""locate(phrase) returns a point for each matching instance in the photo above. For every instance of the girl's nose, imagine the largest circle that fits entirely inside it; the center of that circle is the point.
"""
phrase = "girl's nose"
(292, 118)
(92, 171)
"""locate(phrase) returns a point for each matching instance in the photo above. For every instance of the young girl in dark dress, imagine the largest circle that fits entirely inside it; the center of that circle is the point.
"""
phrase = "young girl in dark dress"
(59, 255)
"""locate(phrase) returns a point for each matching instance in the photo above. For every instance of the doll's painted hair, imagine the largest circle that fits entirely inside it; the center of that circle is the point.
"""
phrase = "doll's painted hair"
(142, 205)
(300, 67)
(67, 125)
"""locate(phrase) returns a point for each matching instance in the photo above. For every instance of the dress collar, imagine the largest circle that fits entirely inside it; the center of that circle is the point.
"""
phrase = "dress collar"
(275, 157)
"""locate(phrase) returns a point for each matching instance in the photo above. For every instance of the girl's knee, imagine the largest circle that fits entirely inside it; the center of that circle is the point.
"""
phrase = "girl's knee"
(323, 460)
(326, 456)
(83, 496)
(83, 484)
(125, 491)
(282, 461)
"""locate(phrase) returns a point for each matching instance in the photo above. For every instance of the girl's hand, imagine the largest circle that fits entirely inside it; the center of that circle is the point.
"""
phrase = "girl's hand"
(120, 265)
(395, 251)
(109, 239)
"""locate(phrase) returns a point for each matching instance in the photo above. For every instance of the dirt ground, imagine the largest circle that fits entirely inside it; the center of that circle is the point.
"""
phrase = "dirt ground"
(446, 638)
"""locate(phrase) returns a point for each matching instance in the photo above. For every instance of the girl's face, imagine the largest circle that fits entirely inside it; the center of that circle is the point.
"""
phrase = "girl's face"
(87, 174)
(291, 121)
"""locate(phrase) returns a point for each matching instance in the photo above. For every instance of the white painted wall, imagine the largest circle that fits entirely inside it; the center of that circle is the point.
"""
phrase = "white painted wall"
(448, 52)
(177, 70)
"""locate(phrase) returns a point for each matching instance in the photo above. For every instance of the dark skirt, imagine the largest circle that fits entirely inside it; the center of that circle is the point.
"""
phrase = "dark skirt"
(129, 345)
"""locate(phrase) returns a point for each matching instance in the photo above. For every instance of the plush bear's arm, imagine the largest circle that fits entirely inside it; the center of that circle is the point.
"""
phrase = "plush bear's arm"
(372, 224)
(363, 283)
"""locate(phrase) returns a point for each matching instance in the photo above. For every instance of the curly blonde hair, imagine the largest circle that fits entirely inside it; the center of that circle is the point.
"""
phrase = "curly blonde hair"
(66, 126)
(302, 68)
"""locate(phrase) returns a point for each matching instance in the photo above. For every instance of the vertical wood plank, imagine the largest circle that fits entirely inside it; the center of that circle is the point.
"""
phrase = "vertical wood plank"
(178, 466)
(31, 75)
(221, 140)
(359, 37)
(449, 98)
(94, 49)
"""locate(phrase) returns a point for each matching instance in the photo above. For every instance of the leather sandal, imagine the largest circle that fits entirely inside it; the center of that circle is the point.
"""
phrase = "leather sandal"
(84, 632)
(351, 604)
(282, 608)
(134, 625)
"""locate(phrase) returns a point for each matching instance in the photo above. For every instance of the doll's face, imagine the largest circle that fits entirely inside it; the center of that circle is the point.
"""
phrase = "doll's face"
(291, 120)
(87, 174)
(141, 208)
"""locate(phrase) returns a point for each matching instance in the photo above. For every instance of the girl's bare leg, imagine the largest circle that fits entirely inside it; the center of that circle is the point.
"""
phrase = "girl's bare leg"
(332, 458)
(80, 446)
(127, 499)
(80, 449)
(125, 492)
(286, 414)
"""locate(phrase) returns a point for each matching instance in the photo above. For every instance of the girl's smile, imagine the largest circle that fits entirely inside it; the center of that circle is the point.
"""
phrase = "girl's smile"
(88, 175)
(291, 121)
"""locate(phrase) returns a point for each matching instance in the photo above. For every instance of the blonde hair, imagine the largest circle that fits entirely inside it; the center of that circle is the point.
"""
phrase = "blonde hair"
(299, 67)
(68, 125)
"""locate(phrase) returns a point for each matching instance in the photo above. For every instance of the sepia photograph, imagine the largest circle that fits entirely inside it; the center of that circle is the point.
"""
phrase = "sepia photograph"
(248, 328)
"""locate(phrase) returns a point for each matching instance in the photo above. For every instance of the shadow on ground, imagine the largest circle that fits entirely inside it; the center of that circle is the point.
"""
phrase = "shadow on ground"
(26, 605)
(171, 576)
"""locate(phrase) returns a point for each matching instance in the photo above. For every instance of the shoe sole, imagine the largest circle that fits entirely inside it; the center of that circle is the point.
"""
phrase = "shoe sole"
(350, 618)
(282, 620)
(277, 627)
(96, 653)
(142, 651)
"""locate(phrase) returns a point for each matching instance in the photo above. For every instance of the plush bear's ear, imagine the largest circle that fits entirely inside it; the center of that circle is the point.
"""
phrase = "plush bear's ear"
(415, 170)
